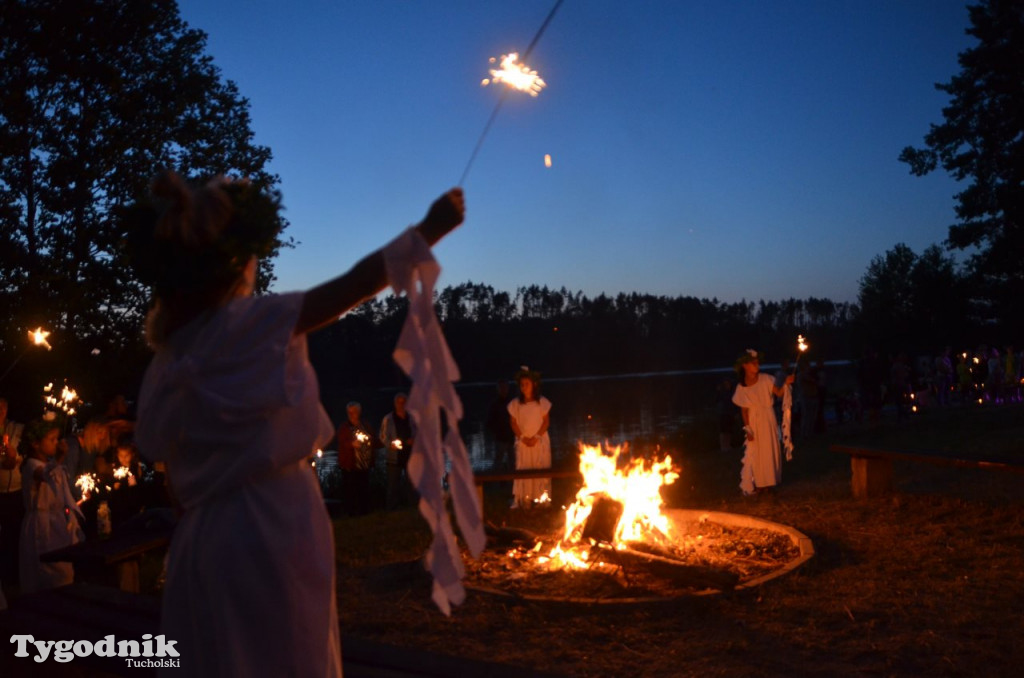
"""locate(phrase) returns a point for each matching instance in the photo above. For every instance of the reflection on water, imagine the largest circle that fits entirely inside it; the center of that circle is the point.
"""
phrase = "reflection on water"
(613, 409)
(594, 410)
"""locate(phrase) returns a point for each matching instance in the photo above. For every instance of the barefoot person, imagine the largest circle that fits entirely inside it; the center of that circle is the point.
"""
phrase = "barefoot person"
(231, 404)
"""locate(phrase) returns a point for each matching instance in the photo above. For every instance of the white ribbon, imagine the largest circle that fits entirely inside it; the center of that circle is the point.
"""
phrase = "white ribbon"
(787, 416)
(423, 354)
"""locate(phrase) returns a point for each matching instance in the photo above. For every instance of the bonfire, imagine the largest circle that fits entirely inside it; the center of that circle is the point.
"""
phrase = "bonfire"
(619, 540)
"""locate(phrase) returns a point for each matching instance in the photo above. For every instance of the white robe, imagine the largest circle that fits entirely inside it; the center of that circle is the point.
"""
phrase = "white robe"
(529, 417)
(232, 405)
(47, 526)
(762, 458)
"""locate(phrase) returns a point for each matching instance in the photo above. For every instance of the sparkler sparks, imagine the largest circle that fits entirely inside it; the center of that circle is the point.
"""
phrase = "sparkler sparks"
(38, 337)
(87, 484)
(516, 75)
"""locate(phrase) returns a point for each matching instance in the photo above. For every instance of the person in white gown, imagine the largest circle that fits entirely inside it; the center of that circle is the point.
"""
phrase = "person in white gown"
(528, 415)
(52, 518)
(230, 404)
(762, 453)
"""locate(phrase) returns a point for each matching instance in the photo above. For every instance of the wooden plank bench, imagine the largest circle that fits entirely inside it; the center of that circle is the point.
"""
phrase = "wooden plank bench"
(872, 467)
(525, 474)
(122, 551)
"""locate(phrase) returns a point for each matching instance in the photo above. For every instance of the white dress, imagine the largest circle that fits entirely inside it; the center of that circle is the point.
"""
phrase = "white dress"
(529, 417)
(47, 526)
(762, 458)
(232, 405)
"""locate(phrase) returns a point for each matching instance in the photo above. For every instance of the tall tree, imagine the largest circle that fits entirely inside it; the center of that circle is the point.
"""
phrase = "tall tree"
(982, 140)
(95, 97)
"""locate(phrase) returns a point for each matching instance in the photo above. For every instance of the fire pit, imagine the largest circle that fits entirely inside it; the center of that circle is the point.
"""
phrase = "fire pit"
(619, 545)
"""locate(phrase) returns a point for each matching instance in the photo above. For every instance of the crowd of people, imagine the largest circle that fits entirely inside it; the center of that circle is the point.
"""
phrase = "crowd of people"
(894, 384)
(60, 483)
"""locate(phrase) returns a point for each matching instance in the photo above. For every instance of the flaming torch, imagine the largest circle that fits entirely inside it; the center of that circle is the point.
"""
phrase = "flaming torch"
(801, 348)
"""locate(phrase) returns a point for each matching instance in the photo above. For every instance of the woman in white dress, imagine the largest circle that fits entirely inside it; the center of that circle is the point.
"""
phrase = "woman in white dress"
(528, 415)
(762, 453)
(52, 518)
(231, 404)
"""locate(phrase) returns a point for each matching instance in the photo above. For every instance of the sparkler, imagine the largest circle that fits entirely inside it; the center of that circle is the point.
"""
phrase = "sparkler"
(801, 348)
(38, 337)
(525, 76)
(87, 484)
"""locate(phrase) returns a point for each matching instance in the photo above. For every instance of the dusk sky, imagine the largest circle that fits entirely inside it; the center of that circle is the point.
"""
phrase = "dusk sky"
(730, 150)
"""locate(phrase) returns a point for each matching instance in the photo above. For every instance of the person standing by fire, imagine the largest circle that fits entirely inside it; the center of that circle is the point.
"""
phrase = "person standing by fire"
(762, 453)
(528, 416)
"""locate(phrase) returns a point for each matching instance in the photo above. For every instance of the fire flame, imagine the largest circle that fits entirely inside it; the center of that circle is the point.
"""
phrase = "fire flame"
(397, 444)
(122, 472)
(801, 343)
(636, 486)
(516, 75)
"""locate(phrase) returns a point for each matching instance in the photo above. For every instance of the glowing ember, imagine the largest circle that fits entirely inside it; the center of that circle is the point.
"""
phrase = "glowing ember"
(516, 75)
(38, 337)
(636, 487)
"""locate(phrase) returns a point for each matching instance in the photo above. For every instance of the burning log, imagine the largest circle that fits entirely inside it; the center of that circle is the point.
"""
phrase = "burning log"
(504, 536)
(676, 571)
(603, 520)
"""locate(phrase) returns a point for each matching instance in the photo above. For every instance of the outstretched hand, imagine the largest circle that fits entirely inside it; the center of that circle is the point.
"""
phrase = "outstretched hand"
(446, 213)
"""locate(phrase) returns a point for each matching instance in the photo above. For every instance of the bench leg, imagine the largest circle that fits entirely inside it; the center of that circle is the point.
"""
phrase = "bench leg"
(871, 476)
(128, 576)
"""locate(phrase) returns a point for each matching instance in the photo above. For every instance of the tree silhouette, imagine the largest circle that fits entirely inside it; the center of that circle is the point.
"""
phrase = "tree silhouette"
(95, 97)
(982, 141)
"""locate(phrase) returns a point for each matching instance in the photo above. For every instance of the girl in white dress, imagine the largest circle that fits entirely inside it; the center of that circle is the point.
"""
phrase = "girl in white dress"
(762, 455)
(528, 415)
(52, 518)
(230, 403)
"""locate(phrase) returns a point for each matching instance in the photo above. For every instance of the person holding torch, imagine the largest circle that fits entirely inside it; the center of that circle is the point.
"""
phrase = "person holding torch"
(762, 452)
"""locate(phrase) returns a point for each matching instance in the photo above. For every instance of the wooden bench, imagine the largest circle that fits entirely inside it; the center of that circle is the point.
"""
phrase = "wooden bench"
(122, 551)
(526, 474)
(872, 467)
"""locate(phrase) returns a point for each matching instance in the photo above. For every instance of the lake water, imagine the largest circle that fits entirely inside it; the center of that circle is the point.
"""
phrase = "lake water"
(615, 409)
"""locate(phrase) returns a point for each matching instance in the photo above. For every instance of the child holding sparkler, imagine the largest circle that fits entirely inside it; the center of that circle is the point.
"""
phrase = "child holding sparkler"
(762, 457)
(52, 518)
(230, 403)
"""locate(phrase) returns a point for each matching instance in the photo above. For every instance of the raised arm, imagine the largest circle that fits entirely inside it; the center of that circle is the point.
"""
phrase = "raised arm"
(325, 303)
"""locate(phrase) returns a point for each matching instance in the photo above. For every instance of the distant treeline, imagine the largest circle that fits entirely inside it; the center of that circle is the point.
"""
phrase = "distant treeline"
(567, 334)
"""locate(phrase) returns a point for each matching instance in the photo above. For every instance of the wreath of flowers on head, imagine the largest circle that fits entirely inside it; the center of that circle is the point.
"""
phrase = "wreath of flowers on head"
(166, 264)
(37, 429)
(747, 356)
(526, 373)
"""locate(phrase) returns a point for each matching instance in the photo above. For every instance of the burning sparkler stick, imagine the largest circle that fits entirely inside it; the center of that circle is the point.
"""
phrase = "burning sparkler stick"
(801, 348)
(38, 337)
(526, 75)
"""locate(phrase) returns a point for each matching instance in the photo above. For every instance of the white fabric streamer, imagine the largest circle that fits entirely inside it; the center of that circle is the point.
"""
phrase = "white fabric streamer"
(787, 417)
(423, 354)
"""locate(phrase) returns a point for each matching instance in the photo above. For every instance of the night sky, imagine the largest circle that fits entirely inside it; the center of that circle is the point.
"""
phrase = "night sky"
(729, 150)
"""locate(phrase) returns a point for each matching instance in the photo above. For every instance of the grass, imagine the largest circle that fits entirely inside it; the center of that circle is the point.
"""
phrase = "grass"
(926, 580)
